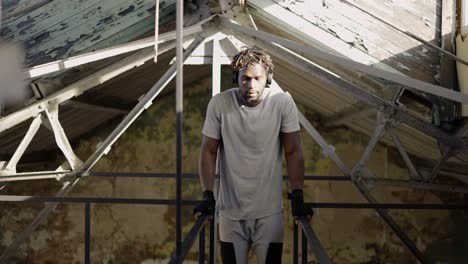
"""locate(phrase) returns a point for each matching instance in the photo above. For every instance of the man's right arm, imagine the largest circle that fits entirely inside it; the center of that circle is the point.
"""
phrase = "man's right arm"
(207, 165)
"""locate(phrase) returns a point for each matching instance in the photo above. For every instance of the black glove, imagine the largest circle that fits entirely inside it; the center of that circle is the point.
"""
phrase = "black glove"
(297, 204)
(207, 206)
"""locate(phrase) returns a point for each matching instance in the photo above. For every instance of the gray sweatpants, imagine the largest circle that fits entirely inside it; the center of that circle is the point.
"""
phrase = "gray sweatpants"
(265, 235)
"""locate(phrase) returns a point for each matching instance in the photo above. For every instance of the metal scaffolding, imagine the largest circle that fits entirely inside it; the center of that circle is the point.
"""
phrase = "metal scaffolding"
(389, 117)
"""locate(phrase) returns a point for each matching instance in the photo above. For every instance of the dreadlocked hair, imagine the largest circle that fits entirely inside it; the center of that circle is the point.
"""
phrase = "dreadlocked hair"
(250, 56)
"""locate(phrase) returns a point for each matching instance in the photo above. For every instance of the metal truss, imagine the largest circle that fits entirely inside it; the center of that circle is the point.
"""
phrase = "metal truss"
(48, 118)
(72, 178)
(388, 118)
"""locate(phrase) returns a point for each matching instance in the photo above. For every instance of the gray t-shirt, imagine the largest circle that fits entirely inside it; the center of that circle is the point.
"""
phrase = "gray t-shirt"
(250, 153)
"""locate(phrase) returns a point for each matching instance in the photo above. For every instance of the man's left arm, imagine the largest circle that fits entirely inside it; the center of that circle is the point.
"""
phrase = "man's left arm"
(295, 165)
(294, 158)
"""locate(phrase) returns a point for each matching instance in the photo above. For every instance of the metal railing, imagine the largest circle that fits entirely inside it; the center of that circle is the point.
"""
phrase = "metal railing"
(309, 238)
(198, 230)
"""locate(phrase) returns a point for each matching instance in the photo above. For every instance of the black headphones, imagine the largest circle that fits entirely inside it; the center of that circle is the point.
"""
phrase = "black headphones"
(235, 77)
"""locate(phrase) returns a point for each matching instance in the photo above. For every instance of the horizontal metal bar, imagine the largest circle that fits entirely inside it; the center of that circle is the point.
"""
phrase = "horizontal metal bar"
(31, 176)
(417, 185)
(25, 198)
(193, 175)
(191, 237)
(54, 199)
(389, 206)
(136, 174)
(314, 242)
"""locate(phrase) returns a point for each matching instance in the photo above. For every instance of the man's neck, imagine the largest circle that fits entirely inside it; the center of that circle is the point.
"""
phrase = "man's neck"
(242, 100)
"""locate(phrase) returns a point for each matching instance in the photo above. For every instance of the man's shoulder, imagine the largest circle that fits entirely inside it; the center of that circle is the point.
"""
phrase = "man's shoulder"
(227, 93)
(225, 96)
(281, 97)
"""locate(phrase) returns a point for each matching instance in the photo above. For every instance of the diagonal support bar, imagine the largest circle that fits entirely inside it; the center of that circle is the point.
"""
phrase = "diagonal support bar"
(414, 174)
(378, 134)
(189, 240)
(314, 242)
(33, 128)
(60, 136)
(446, 154)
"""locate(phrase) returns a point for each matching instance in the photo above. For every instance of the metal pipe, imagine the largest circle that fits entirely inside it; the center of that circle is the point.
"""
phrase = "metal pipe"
(179, 118)
(212, 240)
(87, 233)
(103, 200)
(304, 247)
(417, 185)
(295, 244)
(446, 154)
(315, 244)
(378, 133)
(201, 246)
(156, 30)
(193, 175)
(189, 240)
(405, 206)
(31, 176)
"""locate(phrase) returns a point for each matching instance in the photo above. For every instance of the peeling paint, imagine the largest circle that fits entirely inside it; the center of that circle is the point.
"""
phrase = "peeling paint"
(105, 20)
(127, 11)
(37, 40)
(28, 22)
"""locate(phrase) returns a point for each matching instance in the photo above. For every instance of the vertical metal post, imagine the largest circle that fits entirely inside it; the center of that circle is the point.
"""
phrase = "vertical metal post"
(87, 233)
(156, 31)
(201, 246)
(295, 244)
(179, 111)
(304, 247)
(216, 68)
(212, 241)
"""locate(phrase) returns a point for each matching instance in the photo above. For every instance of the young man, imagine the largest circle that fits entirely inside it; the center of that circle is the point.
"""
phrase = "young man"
(249, 127)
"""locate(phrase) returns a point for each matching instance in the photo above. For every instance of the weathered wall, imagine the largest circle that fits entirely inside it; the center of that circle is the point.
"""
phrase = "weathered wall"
(146, 234)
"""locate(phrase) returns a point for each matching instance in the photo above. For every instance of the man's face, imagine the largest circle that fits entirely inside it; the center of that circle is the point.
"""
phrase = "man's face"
(252, 82)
